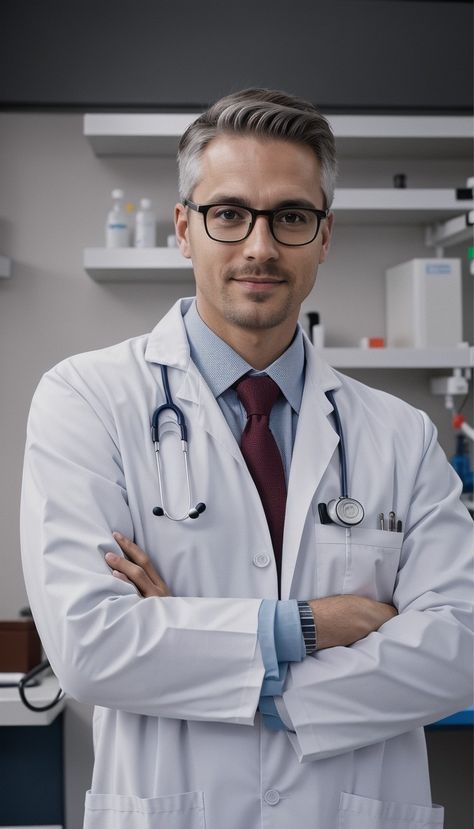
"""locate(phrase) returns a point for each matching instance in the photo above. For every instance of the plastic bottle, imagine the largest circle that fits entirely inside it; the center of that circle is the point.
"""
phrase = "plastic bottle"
(116, 226)
(145, 226)
(316, 329)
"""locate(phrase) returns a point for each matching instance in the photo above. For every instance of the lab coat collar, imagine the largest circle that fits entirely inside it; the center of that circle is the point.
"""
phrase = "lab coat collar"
(168, 344)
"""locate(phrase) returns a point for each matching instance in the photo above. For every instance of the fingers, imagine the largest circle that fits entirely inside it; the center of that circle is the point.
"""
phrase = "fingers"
(128, 571)
(132, 550)
(138, 556)
(136, 568)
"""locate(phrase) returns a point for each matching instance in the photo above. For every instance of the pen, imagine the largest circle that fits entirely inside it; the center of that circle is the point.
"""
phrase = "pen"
(381, 521)
(399, 526)
(391, 521)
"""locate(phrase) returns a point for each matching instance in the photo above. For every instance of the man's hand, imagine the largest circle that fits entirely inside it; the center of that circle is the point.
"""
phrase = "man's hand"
(136, 568)
(342, 620)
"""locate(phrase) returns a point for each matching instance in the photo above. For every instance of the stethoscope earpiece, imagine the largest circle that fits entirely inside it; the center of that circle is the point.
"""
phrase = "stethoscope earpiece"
(196, 512)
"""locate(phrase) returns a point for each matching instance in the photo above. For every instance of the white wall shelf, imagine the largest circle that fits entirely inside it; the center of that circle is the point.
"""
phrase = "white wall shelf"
(409, 358)
(137, 265)
(403, 206)
(357, 136)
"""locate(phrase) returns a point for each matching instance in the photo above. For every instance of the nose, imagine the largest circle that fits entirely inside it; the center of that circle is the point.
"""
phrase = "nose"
(261, 244)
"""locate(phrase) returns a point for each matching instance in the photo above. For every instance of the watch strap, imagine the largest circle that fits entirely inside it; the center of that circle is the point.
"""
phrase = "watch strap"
(308, 627)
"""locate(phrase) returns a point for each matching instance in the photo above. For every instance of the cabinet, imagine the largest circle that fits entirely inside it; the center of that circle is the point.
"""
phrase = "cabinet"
(31, 759)
(362, 142)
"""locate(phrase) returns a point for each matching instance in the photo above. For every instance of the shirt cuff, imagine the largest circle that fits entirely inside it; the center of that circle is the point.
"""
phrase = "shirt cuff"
(266, 637)
(271, 718)
(279, 635)
(289, 641)
(283, 714)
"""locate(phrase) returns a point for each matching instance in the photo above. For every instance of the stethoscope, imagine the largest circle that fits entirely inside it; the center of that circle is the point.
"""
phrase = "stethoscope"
(191, 512)
(344, 511)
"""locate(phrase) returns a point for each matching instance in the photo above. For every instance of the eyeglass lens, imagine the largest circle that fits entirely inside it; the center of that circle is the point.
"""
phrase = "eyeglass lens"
(230, 223)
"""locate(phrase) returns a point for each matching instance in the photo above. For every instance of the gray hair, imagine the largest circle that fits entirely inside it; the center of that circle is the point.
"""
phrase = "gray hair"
(266, 113)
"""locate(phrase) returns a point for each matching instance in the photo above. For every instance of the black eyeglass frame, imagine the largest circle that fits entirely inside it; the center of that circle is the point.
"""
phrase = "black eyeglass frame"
(270, 214)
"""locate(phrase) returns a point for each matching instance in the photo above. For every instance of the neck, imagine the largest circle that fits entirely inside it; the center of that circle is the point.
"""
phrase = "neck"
(259, 347)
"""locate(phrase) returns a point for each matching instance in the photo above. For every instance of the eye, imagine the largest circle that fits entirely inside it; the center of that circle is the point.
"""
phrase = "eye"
(229, 214)
(292, 217)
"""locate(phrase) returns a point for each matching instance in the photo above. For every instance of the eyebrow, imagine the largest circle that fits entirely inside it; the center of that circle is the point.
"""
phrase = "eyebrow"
(224, 198)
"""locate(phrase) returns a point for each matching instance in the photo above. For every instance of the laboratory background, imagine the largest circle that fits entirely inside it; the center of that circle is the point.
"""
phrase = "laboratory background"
(93, 99)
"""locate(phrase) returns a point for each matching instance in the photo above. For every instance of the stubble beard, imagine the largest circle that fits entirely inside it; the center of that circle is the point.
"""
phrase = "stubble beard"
(252, 315)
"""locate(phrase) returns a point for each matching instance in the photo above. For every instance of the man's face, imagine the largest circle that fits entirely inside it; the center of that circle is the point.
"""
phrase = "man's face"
(256, 284)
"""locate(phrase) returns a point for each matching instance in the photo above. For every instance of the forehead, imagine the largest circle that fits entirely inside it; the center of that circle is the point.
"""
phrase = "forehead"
(263, 169)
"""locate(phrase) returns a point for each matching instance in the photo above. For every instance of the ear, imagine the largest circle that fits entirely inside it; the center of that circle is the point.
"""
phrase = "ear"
(326, 231)
(182, 229)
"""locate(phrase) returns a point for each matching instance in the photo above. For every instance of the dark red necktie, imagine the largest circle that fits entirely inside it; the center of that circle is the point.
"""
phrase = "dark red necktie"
(260, 450)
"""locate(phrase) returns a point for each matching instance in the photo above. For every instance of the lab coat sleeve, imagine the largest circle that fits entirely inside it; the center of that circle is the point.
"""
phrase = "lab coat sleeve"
(417, 668)
(184, 658)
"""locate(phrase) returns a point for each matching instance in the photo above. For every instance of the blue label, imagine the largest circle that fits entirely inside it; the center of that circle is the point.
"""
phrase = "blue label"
(439, 268)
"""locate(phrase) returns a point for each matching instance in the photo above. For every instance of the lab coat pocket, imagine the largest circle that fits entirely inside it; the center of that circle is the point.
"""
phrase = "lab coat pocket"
(357, 560)
(372, 563)
(357, 812)
(174, 811)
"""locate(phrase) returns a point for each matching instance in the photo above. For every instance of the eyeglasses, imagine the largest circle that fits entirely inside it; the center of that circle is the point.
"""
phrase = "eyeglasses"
(291, 225)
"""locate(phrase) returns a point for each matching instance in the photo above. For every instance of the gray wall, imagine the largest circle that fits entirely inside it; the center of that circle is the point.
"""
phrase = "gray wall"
(53, 201)
(147, 53)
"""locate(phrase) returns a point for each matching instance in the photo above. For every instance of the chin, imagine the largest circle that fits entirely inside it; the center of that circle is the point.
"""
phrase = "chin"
(258, 317)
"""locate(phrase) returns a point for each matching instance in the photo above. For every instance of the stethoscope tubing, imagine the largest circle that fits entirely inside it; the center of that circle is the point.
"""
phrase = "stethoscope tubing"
(155, 434)
(343, 502)
(341, 446)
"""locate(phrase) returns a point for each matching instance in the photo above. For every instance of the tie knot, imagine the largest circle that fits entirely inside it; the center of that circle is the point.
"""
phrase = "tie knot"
(257, 394)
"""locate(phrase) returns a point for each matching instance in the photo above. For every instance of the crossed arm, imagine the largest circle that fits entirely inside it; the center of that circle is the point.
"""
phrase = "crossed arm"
(340, 620)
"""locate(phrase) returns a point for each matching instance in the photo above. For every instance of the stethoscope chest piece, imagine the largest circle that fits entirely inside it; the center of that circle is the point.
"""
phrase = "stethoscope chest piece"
(347, 512)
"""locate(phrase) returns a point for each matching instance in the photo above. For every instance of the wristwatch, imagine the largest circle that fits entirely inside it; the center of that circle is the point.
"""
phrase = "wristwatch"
(308, 627)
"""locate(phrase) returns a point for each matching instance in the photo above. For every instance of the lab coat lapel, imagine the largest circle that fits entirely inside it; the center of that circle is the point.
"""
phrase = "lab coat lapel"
(168, 345)
(315, 443)
(195, 393)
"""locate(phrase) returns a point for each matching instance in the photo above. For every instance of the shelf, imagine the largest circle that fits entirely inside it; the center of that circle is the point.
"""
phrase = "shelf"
(137, 265)
(5, 267)
(392, 206)
(357, 136)
(456, 357)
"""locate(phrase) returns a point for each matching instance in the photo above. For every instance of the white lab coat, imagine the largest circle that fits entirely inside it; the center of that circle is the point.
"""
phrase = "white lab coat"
(176, 680)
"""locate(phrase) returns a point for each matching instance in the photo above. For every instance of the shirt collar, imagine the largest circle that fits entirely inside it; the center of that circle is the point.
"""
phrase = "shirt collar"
(221, 366)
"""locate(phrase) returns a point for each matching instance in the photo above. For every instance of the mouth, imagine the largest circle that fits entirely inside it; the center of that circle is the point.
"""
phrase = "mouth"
(252, 285)
(259, 280)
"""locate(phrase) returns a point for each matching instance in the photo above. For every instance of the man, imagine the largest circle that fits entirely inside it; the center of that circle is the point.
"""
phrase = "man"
(266, 652)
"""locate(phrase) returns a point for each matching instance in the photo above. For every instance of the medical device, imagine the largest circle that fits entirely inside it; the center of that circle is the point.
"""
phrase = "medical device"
(26, 680)
(345, 511)
(191, 512)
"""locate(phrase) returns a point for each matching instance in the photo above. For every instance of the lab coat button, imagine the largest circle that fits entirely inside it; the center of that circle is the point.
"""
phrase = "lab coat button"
(261, 560)
(272, 797)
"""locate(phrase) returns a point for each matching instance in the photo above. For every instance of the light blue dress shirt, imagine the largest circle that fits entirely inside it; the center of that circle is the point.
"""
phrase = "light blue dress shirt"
(279, 628)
